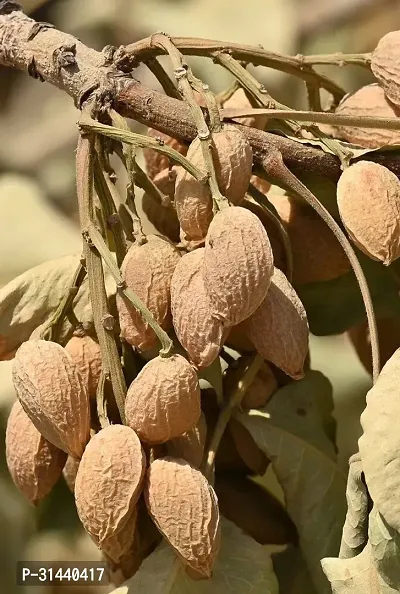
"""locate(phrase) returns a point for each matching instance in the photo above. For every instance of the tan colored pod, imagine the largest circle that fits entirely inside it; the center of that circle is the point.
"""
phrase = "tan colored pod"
(317, 254)
(238, 264)
(368, 101)
(184, 507)
(385, 65)
(260, 390)
(85, 353)
(190, 445)
(200, 334)
(274, 234)
(34, 463)
(190, 244)
(193, 201)
(163, 216)
(53, 395)
(155, 161)
(119, 544)
(109, 483)
(69, 472)
(163, 401)
(368, 197)
(279, 328)
(147, 269)
(240, 100)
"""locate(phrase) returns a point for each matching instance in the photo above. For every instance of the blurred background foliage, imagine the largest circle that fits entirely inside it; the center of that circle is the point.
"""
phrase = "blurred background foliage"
(37, 189)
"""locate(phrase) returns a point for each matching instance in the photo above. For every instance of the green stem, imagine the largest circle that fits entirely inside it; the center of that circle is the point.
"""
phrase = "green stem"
(103, 321)
(88, 124)
(316, 117)
(184, 76)
(101, 247)
(168, 86)
(260, 93)
(226, 413)
(109, 210)
(275, 166)
(297, 66)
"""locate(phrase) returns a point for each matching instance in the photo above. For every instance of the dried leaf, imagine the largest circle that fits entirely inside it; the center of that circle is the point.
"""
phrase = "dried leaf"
(292, 573)
(380, 443)
(30, 300)
(356, 575)
(290, 432)
(242, 566)
(385, 549)
(355, 528)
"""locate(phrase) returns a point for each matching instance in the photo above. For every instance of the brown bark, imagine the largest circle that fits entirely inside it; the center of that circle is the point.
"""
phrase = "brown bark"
(62, 60)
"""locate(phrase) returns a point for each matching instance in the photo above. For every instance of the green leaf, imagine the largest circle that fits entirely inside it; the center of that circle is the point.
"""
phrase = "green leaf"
(380, 442)
(334, 306)
(30, 300)
(356, 575)
(289, 430)
(292, 573)
(242, 567)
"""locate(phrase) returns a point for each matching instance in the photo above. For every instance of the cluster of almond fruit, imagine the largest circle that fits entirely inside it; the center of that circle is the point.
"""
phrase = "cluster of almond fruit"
(130, 478)
(211, 279)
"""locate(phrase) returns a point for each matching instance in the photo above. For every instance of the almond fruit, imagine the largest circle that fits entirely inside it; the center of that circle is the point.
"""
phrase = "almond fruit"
(155, 161)
(199, 333)
(368, 197)
(85, 353)
(184, 507)
(279, 328)
(34, 463)
(260, 390)
(147, 269)
(367, 101)
(108, 485)
(240, 100)
(238, 264)
(385, 61)
(163, 401)
(317, 254)
(190, 445)
(163, 216)
(53, 395)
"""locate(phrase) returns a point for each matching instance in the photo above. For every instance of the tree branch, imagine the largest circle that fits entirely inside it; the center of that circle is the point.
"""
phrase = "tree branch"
(64, 61)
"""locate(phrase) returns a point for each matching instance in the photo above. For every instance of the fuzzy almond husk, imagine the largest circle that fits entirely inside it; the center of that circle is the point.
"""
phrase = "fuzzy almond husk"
(238, 264)
(69, 472)
(155, 162)
(190, 445)
(184, 507)
(34, 463)
(193, 200)
(108, 485)
(279, 328)
(163, 401)
(200, 334)
(233, 158)
(147, 269)
(52, 393)
(317, 254)
(368, 197)
(368, 101)
(273, 233)
(85, 353)
(240, 100)
(385, 65)
(163, 216)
